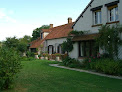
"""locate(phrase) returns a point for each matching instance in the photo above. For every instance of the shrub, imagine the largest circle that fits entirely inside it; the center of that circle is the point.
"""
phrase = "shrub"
(71, 62)
(30, 54)
(27, 58)
(105, 65)
(45, 54)
(9, 66)
(57, 54)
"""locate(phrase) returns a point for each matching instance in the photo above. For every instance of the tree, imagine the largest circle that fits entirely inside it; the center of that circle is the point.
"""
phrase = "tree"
(18, 44)
(67, 46)
(22, 47)
(9, 65)
(0, 44)
(26, 39)
(11, 42)
(36, 32)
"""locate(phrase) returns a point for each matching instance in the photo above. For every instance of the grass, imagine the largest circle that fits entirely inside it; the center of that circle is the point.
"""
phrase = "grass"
(38, 76)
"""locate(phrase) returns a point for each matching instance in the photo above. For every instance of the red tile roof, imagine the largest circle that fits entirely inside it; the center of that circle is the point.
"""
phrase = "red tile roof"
(56, 32)
(60, 31)
(36, 43)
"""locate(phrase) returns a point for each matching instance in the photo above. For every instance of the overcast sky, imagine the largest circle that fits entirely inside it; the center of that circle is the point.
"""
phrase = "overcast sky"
(21, 17)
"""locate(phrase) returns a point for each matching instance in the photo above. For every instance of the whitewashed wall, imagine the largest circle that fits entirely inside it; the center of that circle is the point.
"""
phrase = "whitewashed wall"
(74, 52)
(55, 43)
(85, 23)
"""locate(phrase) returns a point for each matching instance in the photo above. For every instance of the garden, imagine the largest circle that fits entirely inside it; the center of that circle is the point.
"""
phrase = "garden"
(20, 73)
(109, 40)
(38, 76)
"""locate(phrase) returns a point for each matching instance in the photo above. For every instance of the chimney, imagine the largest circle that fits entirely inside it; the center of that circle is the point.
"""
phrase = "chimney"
(51, 25)
(69, 20)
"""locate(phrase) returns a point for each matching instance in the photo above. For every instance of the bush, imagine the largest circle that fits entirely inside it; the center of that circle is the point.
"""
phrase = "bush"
(9, 66)
(30, 54)
(105, 65)
(27, 58)
(71, 62)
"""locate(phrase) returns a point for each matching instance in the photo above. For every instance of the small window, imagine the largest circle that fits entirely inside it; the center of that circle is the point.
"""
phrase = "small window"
(97, 17)
(113, 13)
(41, 35)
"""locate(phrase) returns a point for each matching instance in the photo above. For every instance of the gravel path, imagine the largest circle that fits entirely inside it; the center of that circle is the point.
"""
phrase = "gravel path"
(80, 70)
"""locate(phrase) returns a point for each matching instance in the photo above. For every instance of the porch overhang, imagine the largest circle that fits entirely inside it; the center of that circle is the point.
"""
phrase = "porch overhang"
(85, 37)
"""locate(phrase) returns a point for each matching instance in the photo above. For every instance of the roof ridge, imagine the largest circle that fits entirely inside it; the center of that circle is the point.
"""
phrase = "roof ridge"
(83, 12)
(62, 25)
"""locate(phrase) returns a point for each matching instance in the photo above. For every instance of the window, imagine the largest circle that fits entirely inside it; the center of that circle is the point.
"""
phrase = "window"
(87, 48)
(113, 13)
(50, 49)
(59, 49)
(97, 17)
(41, 35)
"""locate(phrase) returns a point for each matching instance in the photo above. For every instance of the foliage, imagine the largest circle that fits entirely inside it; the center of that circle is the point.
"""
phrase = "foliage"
(71, 62)
(76, 33)
(9, 66)
(105, 65)
(22, 47)
(11, 42)
(57, 54)
(26, 39)
(45, 54)
(30, 54)
(67, 46)
(39, 55)
(27, 58)
(18, 44)
(36, 32)
(0, 44)
(109, 39)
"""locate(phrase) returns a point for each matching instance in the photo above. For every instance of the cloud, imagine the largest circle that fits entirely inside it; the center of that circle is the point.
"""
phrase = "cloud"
(18, 30)
(4, 15)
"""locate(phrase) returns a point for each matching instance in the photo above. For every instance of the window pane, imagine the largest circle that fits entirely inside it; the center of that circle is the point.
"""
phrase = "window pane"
(82, 48)
(100, 17)
(95, 17)
(87, 48)
(116, 13)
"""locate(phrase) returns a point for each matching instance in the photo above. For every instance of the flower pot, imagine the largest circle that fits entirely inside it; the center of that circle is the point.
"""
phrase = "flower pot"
(42, 57)
(36, 56)
(46, 58)
(57, 58)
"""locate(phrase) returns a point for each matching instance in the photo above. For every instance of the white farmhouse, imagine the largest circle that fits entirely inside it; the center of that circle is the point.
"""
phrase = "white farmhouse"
(96, 13)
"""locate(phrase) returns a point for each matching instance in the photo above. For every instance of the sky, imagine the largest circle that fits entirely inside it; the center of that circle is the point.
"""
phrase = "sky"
(21, 17)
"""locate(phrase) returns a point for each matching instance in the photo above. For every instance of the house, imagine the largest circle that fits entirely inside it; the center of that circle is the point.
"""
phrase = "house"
(37, 45)
(56, 37)
(50, 40)
(96, 13)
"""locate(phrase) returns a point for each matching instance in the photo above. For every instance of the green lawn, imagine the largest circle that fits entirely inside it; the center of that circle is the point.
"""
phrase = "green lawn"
(38, 76)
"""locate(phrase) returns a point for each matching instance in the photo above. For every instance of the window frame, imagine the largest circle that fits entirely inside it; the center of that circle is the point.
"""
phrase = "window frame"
(114, 14)
(97, 17)
(91, 47)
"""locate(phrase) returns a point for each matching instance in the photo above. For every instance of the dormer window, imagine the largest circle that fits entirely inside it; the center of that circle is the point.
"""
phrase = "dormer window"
(41, 35)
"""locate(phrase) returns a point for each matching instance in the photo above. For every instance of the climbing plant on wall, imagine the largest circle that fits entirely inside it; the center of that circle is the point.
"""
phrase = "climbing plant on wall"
(109, 39)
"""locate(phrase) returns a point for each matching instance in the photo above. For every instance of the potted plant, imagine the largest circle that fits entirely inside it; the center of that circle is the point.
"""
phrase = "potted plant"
(46, 55)
(39, 56)
(36, 55)
(57, 55)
